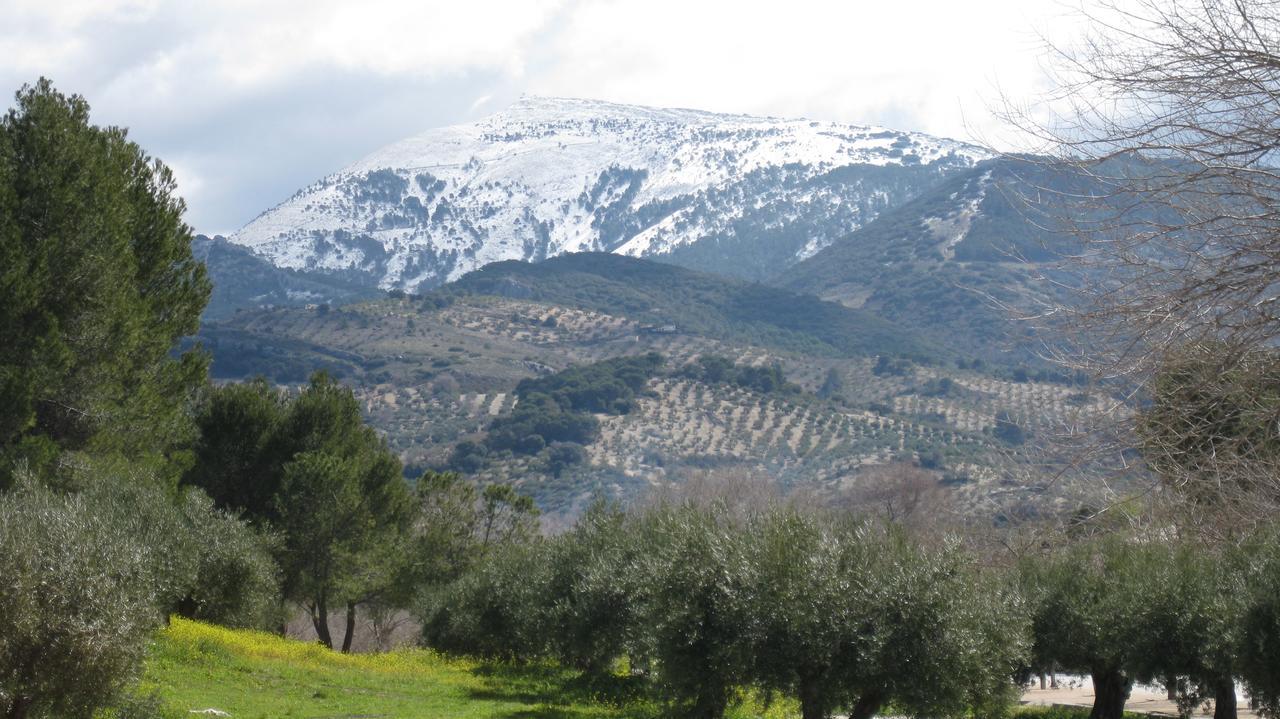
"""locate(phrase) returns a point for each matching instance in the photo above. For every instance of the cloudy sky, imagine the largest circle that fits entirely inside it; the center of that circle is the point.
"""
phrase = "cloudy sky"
(248, 100)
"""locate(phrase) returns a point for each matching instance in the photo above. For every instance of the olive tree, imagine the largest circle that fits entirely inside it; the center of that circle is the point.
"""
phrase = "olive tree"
(1086, 602)
(594, 593)
(817, 597)
(81, 594)
(209, 564)
(698, 619)
(951, 636)
(1187, 633)
(1259, 648)
(855, 617)
(495, 609)
(235, 579)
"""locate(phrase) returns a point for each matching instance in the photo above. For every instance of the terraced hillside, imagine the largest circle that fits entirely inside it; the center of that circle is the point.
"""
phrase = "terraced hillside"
(436, 371)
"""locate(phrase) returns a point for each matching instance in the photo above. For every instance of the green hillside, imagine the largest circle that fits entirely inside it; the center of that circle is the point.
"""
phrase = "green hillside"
(697, 302)
(957, 264)
(435, 372)
(952, 264)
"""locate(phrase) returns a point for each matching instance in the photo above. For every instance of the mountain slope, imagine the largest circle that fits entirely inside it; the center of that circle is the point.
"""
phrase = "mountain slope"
(437, 371)
(685, 300)
(740, 195)
(242, 280)
(956, 263)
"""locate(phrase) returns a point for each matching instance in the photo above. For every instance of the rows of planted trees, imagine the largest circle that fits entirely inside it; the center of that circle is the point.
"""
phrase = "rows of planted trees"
(1149, 608)
(705, 602)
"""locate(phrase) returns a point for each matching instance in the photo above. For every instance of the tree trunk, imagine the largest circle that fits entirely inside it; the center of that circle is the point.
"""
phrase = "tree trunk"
(320, 619)
(19, 708)
(1224, 700)
(1110, 692)
(351, 628)
(283, 628)
(811, 704)
(639, 665)
(710, 707)
(866, 707)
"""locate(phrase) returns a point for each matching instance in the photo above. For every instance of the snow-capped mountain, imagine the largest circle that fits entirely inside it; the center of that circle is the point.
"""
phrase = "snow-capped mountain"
(740, 195)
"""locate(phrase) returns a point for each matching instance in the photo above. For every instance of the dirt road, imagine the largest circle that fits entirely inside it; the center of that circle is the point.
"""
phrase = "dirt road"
(1078, 691)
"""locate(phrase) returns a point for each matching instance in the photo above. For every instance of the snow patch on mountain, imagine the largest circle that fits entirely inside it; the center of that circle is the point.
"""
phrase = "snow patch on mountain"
(552, 175)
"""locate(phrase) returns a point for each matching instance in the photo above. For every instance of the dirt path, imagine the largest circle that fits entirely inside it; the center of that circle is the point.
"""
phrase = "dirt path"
(1078, 691)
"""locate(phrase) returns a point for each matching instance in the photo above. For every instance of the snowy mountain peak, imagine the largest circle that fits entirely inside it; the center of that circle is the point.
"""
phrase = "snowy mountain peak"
(740, 194)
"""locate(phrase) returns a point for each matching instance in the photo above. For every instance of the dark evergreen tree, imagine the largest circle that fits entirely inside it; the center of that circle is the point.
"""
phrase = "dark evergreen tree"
(311, 468)
(97, 284)
(832, 384)
(1009, 431)
(237, 458)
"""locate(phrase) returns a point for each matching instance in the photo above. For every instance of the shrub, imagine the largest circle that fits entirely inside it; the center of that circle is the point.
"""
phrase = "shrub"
(562, 455)
(1009, 431)
(80, 594)
(592, 599)
(494, 610)
(236, 581)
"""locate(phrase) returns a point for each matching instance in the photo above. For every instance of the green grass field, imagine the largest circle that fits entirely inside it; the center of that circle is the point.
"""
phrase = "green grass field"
(255, 675)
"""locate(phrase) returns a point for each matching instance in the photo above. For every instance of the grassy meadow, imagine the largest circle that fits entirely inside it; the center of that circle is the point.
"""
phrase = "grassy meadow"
(256, 675)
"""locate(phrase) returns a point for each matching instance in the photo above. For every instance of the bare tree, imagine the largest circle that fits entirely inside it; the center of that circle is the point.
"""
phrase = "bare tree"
(1172, 119)
(741, 490)
(904, 494)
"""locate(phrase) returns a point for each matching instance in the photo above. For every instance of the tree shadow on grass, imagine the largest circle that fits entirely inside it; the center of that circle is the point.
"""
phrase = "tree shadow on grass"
(557, 692)
(549, 712)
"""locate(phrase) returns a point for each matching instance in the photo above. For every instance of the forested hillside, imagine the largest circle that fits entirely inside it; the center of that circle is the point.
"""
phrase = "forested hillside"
(698, 303)
(745, 378)
(242, 280)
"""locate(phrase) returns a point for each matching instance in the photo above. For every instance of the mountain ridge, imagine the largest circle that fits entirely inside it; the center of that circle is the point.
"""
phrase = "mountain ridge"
(555, 175)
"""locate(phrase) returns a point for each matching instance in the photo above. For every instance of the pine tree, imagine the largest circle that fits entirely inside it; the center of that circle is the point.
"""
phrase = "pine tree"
(97, 285)
(311, 469)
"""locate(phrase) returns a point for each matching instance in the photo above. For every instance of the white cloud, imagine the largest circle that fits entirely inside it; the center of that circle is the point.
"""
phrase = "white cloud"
(250, 95)
(931, 64)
